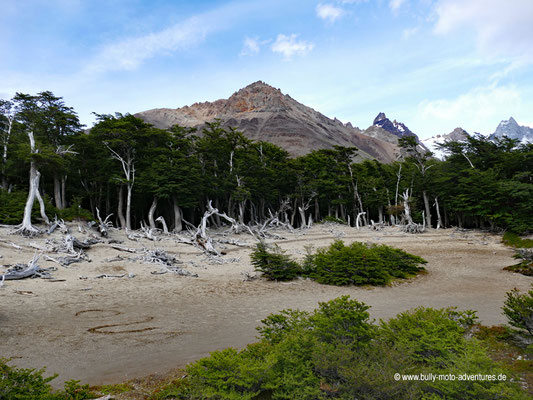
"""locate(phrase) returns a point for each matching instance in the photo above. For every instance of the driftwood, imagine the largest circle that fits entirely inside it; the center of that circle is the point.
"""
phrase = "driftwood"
(58, 223)
(413, 228)
(163, 223)
(103, 226)
(379, 226)
(30, 270)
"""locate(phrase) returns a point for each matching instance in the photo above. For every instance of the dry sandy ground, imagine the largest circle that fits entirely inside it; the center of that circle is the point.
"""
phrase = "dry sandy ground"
(114, 329)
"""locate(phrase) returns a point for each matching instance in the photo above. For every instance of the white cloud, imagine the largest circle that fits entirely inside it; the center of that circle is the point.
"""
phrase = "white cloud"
(480, 109)
(251, 46)
(289, 46)
(503, 28)
(329, 12)
(129, 53)
(396, 4)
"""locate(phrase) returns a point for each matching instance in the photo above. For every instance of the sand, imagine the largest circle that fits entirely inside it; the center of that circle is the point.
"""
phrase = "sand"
(113, 329)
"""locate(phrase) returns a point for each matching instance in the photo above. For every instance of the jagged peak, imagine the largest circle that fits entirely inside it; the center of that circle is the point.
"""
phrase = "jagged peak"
(381, 116)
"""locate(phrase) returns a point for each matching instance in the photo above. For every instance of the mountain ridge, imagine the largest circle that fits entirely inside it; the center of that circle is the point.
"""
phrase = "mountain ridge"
(263, 112)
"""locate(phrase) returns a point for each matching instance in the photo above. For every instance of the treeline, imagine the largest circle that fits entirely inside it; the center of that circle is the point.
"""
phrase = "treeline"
(137, 172)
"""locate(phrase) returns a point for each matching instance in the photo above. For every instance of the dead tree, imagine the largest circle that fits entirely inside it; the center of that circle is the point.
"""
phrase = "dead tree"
(21, 271)
(303, 209)
(60, 182)
(178, 216)
(439, 219)
(406, 207)
(103, 226)
(358, 219)
(128, 166)
(162, 221)
(7, 110)
(151, 213)
(26, 228)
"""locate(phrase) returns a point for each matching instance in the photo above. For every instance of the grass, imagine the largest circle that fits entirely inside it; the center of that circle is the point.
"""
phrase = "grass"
(525, 268)
(513, 240)
(499, 342)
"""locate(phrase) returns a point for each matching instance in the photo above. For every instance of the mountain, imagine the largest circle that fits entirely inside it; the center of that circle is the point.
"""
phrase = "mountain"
(396, 128)
(511, 129)
(263, 112)
(458, 134)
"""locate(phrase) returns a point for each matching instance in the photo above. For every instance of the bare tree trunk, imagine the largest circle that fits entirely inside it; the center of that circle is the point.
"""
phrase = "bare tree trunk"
(293, 214)
(358, 219)
(302, 216)
(399, 175)
(57, 192)
(439, 219)
(151, 213)
(407, 209)
(380, 212)
(242, 205)
(120, 207)
(41, 206)
(428, 209)
(216, 216)
(317, 210)
(63, 191)
(26, 228)
(128, 206)
(5, 182)
(178, 216)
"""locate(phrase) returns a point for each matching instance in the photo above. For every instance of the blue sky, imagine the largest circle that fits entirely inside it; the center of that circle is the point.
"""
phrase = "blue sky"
(432, 64)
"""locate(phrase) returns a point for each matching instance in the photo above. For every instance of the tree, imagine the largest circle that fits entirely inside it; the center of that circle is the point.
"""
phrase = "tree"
(58, 124)
(29, 116)
(7, 118)
(422, 160)
(126, 138)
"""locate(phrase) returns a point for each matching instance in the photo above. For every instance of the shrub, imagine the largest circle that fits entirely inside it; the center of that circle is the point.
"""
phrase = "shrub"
(29, 384)
(22, 384)
(518, 308)
(429, 336)
(274, 265)
(329, 218)
(342, 321)
(360, 264)
(335, 352)
(75, 211)
(513, 240)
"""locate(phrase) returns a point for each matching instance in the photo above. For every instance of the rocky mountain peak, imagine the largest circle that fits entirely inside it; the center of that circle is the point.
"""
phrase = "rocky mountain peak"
(263, 112)
(256, 97)
(381, 116)
(511, 129)
(396, 128)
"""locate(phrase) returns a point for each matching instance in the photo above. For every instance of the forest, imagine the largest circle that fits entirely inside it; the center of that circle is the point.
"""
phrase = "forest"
(51, 166)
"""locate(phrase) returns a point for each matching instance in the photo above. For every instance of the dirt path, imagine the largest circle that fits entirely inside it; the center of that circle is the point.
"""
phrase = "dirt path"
(106, 330)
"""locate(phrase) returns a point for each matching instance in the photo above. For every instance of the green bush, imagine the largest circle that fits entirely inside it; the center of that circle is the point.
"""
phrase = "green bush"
(274, 265)
(29, 384)
(429, 336)
(75, 211)
(335, 352)
(513, 240)
(518, 308)
(361, 264)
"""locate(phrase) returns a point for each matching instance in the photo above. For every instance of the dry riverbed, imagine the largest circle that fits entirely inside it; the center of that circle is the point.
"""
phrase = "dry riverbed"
(104, 330)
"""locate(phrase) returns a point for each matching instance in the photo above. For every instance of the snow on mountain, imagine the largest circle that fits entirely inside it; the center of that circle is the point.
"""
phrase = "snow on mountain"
(431, 143)
(511, 129)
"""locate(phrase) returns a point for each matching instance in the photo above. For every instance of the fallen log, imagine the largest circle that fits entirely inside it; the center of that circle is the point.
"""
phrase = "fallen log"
(29, 270)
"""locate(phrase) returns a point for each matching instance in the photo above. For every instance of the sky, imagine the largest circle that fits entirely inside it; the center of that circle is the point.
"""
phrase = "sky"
(433, 64)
